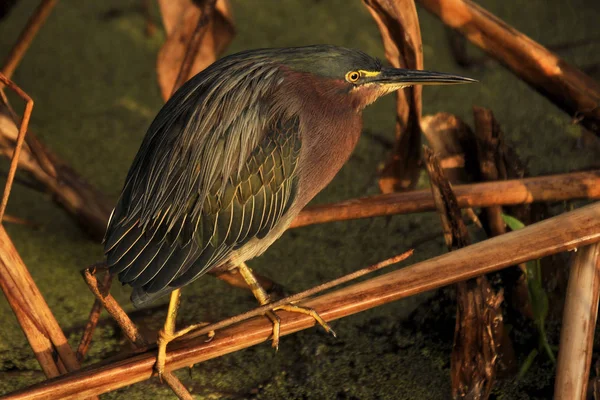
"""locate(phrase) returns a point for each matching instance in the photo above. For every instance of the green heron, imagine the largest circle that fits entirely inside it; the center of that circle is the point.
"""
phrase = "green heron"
(233, 157)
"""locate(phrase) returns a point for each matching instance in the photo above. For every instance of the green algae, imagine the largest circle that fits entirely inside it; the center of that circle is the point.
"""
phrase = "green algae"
(93, 80)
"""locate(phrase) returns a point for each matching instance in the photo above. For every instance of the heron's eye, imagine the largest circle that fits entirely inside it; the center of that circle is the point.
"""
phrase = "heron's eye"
(352, 76)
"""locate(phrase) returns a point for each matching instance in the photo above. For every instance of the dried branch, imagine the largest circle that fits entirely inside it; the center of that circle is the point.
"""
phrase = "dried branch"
(578, 326)
(565, 232)
(90, 327)
(26, 37)
(41, 329)
(479, 326)
(562, 83)
(196, 36)
(399, 26)
(576, 185)
(19, 142)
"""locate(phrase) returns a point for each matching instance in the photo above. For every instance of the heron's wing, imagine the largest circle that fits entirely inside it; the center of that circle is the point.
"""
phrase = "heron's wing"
(189, 236)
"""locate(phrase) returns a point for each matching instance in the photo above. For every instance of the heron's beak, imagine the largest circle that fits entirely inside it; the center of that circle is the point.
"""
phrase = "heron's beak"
(407, 77)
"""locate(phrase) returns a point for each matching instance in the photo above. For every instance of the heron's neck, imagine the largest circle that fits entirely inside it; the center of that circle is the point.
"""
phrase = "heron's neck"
(330, 127)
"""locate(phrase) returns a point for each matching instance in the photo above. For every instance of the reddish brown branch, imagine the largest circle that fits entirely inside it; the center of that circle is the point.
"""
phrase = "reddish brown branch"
(19, 142)
(563, 84)
(29, 32)
(578, 325)
(577, 185)
(90, 327)
(565, 232)
(401, 34)
(41, 329)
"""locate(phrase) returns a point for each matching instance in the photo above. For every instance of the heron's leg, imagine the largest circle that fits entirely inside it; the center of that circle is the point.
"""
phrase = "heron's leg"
(263, 298)
(167, 333)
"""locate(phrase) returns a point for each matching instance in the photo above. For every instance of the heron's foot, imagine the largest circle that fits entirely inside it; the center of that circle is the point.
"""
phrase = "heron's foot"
(165, 337)
(308, 311)
(297, 309)
(276, 328)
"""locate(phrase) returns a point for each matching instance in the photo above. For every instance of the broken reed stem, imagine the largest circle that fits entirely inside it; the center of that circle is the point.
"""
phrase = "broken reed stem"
(111, 305)
(565, 232)
(20, 138)
(45, 337)
(479, 326)
(562, 83)
(88, 333)
(578, 325)
(302, 295)
(34, 24)
(194, 44)
(551, 188)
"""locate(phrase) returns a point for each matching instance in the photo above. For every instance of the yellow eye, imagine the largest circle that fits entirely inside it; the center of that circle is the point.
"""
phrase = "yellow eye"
(352, 76)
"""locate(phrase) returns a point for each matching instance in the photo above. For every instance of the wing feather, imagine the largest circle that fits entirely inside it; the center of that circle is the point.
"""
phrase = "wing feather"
(196, 195)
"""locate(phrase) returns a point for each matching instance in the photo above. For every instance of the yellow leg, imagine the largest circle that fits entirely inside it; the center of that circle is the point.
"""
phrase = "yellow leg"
(167, 334)
(263, 298)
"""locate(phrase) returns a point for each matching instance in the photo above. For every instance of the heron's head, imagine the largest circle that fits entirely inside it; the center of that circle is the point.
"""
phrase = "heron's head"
(355, 74)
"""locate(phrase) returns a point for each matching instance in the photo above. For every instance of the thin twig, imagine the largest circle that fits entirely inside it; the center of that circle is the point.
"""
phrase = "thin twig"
(19, 221)
(26, 37)
(88, 333)
(110, 304)
(565, 232)
(20, 138)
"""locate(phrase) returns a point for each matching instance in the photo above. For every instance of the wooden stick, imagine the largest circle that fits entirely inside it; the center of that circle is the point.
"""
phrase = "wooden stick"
(563, 84)
(578, 325)
(577, 185)
(43, 332)
(20, 138)
(29, 32)
(565, 232)
(398, 24)
(111, 305)
(90, 327)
